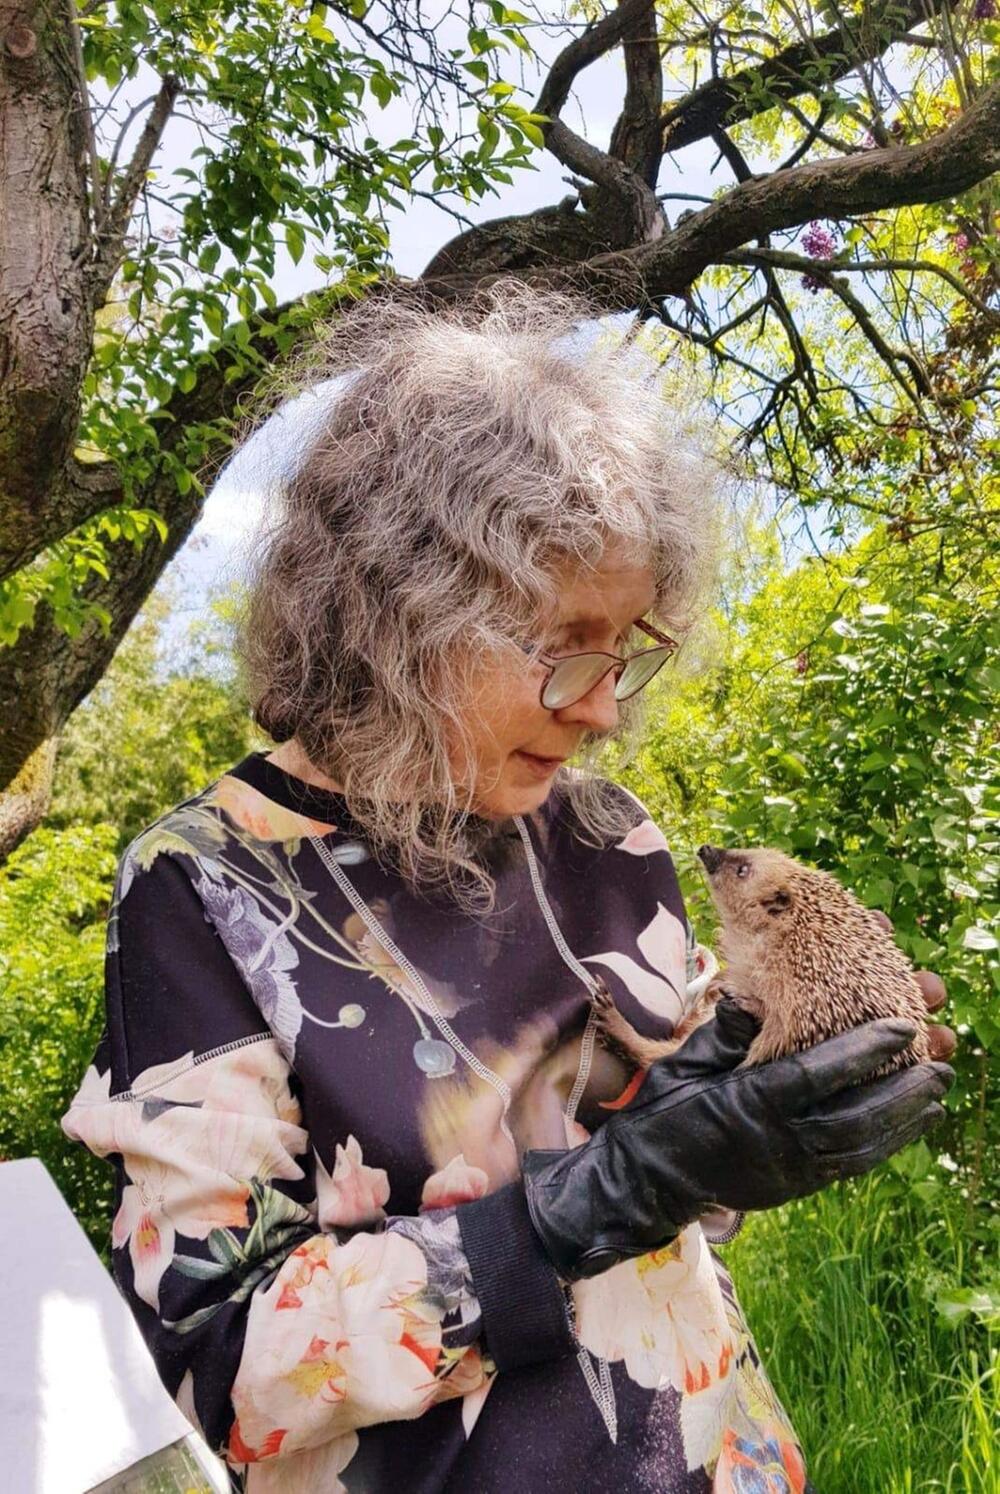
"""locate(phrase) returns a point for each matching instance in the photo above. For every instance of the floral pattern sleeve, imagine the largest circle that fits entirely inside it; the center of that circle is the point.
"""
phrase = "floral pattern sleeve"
(283, 1310)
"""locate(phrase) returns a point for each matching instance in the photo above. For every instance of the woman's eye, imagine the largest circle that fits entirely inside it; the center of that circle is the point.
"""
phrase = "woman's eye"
(743, 870)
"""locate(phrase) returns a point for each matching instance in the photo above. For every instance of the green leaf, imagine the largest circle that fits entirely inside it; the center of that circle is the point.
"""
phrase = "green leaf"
(214, 320)
(200, 1270)
(295, 241)
(382, 87)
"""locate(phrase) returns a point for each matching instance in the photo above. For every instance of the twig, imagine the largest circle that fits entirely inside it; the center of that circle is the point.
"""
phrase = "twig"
(96, 188)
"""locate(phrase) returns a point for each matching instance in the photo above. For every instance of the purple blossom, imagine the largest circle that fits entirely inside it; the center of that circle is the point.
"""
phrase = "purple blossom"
(961, 241)
(811, 284)
(818, 242)
(984, 10)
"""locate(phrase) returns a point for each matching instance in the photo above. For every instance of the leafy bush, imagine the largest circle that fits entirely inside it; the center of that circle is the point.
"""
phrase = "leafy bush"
(54, 894)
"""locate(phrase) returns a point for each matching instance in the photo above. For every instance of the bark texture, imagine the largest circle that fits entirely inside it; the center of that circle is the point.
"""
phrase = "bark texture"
(46, 316)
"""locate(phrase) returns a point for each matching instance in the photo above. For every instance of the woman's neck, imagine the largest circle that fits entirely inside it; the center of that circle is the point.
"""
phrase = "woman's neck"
(291, 759)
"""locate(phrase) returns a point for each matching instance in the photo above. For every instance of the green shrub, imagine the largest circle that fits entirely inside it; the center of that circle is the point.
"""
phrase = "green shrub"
(54, 894)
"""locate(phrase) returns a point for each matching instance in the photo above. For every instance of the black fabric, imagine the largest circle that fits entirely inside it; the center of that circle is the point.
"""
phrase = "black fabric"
(523, 1304)
(292, 793)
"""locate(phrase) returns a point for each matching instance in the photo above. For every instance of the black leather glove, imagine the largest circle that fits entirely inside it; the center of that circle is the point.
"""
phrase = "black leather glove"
(701, 1132)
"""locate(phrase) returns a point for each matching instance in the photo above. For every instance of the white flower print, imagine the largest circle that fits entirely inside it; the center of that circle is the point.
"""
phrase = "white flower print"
(663, 944)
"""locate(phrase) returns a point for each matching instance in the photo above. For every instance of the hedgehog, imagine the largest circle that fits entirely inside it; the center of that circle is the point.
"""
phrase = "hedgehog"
(802, 955)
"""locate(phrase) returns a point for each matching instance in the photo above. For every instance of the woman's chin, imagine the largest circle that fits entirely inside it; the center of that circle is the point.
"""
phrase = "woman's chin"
(517, 793)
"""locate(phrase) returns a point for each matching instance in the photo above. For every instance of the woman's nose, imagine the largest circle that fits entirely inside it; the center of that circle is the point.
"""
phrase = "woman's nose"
(598, 709)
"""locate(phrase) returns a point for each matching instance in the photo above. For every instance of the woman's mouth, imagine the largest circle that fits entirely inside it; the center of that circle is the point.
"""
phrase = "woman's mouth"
(540, 766)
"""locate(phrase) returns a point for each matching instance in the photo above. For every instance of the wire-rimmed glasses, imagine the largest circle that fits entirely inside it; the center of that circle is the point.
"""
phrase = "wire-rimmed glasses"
(572, 676)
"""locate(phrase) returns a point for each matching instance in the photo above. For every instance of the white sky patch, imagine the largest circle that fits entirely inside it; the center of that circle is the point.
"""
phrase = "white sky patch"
(238, 502)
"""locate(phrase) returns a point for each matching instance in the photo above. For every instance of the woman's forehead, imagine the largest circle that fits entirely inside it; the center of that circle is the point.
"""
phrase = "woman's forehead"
(594, 596)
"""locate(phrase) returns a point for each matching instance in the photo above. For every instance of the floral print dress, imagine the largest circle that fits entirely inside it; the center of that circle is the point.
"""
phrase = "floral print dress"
(316, 1104)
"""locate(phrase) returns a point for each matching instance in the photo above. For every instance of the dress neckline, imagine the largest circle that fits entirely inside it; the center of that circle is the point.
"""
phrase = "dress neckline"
(290, 792)
(283, 788)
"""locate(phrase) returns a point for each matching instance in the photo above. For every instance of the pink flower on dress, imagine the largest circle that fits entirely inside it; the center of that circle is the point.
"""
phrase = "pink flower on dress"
(188, 1165)
(457, 1183)
(153, 1209)
(354, 1194)
(364, 1346)
(643, 840)
(664, 1315)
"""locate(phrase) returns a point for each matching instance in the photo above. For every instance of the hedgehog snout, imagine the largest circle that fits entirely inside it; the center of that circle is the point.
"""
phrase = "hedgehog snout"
(711, 858)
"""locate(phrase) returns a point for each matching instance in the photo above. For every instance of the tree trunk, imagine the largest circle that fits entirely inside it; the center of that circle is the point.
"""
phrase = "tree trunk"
(46, 319)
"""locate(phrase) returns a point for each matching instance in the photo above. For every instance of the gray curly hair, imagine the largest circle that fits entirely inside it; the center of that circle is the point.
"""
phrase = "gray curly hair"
(472, 452)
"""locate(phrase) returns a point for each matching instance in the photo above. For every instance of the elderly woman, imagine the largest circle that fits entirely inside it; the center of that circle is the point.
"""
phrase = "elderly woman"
(388, 1217)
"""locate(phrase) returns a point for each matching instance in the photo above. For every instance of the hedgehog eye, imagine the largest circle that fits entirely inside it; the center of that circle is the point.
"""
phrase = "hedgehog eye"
(743, 870)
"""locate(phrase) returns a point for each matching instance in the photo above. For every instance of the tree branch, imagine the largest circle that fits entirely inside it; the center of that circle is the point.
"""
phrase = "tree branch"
(638, 213)
(801, 68)
(582, 51)
(93, 159)
(944, 166)
(950, 163)
(112, 234)
(625, 210)
(636, 139)
(784, 259)
(82, 491)
(807, 142)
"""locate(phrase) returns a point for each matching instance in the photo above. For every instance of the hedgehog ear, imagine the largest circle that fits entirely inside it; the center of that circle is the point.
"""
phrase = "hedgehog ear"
(777, 901)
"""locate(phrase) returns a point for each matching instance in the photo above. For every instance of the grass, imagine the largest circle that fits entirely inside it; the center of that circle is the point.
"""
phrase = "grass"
(842, 1292)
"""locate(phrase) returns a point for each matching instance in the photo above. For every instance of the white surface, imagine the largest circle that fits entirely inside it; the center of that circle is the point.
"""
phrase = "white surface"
(80, 1398)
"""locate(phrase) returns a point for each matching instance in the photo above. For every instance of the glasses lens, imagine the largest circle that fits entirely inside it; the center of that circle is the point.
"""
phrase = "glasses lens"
(640, 671)
(572, 679)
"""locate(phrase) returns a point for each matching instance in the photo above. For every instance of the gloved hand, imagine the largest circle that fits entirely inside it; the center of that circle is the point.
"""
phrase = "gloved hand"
(701, 1131)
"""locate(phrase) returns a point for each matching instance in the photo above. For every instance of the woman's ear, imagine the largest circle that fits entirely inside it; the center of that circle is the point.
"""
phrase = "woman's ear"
(777, 901)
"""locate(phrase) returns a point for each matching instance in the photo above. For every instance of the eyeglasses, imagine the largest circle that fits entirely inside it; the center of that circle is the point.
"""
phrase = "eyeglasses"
(572, 676)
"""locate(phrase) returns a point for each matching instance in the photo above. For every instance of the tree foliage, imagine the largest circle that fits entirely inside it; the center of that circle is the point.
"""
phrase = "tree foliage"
(834, 282)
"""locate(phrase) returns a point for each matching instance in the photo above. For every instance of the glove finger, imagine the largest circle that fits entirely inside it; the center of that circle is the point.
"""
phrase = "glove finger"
(863, 1116)
(739, 1026)
(863, 1159)
(804, 1080)
(715, 1047)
